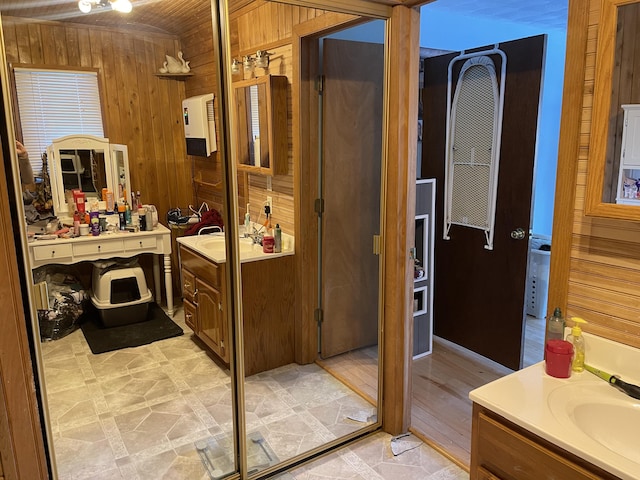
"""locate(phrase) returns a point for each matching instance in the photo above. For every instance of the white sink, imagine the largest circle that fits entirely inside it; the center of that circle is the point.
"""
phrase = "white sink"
(218, 243)
(602, 413)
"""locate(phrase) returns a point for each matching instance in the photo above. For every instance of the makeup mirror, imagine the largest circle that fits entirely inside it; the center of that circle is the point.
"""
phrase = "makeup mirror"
(83, 162)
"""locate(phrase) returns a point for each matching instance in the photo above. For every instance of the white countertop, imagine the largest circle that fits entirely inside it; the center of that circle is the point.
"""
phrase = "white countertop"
(212, 246)
(523, 397)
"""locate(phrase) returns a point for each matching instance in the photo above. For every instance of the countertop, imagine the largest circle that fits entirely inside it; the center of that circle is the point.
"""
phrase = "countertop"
(211, 246)
(523, 398)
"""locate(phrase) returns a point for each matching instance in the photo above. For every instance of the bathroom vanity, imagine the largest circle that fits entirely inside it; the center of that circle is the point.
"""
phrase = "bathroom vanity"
(531, 426)
(267, 301)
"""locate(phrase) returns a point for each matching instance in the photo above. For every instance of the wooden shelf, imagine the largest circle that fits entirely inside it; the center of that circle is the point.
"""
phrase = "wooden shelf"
(173, 75)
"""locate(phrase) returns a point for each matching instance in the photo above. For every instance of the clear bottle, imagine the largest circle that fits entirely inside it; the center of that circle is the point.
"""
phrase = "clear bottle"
(576, 338)
(277, 235)
(555, 325)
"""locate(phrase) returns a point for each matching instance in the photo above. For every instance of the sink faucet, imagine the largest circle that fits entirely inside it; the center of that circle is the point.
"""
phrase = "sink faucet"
(256, 236)
(210, 227)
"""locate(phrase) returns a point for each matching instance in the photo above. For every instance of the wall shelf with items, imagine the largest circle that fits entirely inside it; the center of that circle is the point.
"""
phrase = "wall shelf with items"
(261, 119)
(423, 272)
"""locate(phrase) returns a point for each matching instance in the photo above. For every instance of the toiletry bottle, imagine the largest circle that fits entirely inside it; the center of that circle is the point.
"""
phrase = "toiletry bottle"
(247, 222)
(576, 338)
(121, 216)
(277, 235)
(555, 325)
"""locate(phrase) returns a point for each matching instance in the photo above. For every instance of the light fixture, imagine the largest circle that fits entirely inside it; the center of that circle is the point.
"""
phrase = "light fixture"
(262, 58)
(248, 62)
(123, 6)
(235, 66)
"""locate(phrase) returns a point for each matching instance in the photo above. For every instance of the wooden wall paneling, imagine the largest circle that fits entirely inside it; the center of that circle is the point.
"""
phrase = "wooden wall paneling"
(574, 97)
(11, 42)
(35, 41)
(22, 40)
(594, 265)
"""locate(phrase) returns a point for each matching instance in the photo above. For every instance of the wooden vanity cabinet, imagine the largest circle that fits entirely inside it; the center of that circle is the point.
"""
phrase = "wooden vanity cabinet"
(203, 294)
(501, 450)
(268, 306)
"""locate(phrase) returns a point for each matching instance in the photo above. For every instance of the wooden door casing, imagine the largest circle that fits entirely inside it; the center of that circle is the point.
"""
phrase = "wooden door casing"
(478, 293)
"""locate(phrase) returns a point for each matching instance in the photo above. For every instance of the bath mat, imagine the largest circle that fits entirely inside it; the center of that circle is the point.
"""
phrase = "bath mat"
(157, 326)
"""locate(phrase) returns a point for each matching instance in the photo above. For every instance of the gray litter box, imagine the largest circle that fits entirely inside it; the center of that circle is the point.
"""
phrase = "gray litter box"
(120, 294)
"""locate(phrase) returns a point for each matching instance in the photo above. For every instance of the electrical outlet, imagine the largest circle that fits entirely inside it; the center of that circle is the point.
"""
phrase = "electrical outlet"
(270, 203)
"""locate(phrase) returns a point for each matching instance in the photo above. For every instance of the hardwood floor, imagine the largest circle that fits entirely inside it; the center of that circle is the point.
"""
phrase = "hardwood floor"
(441, 409)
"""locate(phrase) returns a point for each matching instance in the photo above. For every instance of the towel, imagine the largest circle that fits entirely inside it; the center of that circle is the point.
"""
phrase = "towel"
(209, 218)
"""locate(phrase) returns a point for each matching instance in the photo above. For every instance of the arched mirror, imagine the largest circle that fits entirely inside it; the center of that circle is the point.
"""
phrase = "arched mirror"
(89, 164)
(613, 178)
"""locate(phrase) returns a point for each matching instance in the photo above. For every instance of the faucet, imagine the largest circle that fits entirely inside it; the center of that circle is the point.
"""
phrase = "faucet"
(256, 236)
(210, 227)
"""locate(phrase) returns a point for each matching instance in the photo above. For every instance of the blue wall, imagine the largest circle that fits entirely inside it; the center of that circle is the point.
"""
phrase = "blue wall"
(444, 29)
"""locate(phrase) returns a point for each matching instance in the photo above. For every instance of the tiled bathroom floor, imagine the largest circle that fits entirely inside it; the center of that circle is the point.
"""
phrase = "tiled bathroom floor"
(137, 414)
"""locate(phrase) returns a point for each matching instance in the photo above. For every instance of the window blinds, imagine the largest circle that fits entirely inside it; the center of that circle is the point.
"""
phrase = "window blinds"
(56, 103)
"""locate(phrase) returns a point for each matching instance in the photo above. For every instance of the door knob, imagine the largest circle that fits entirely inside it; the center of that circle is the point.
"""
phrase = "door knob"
(518, 234)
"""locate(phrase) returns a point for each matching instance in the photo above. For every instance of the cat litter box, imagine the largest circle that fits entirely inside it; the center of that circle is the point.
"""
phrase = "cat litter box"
(120, 294)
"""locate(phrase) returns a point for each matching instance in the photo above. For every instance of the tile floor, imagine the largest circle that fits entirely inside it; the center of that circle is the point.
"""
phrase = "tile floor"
(137, 414)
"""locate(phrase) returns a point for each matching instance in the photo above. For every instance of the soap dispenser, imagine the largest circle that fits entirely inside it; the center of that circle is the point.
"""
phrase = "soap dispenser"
(577, 340)
(555, 325)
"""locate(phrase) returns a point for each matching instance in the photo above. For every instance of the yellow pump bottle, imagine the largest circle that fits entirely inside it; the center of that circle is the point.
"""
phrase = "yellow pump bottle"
(576, 338)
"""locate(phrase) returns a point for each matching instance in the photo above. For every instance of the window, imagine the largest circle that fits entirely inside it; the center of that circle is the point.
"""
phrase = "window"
(56, 103)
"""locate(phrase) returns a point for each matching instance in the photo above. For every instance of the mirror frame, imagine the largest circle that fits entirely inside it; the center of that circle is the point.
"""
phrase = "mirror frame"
(84, 142)
(605, 59)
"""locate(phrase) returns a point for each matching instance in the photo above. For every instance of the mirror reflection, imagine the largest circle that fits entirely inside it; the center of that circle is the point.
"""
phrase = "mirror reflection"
(621, 183)
(311, 329)
(84, 170)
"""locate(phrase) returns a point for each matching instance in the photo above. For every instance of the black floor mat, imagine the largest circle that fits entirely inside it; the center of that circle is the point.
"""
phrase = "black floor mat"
(157, 326)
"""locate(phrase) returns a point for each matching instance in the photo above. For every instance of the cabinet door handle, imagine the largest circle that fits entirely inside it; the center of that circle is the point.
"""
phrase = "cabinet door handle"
(219, 306)
(195, 296)
(187, 285)
(188, 316)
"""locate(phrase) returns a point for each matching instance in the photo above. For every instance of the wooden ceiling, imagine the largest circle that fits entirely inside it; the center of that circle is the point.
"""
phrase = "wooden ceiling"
(162, 16)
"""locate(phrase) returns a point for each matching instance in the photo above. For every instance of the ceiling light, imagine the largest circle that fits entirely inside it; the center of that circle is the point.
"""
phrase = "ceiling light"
(123, 6)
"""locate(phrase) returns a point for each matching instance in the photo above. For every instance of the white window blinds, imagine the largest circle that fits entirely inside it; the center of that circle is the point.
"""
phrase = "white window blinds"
(56, 103)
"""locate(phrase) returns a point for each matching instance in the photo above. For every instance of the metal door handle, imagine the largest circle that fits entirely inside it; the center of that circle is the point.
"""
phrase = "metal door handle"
(518, 234)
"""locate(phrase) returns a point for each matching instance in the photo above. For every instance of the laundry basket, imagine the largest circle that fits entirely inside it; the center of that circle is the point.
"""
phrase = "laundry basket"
(537, 282)
(120, 294)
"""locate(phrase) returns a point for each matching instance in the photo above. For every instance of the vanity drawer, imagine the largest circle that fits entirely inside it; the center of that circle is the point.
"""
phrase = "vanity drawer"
(142, 243)
(501, 450)
(52, 252)
(188, 285)
(202, 268)
(97, 248)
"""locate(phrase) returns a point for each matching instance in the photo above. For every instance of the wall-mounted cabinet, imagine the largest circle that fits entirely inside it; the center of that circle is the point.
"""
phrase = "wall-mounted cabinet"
(261, 119)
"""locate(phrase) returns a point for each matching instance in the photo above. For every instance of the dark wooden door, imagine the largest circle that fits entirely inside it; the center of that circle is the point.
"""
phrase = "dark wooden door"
(352, 133)
(478, 293)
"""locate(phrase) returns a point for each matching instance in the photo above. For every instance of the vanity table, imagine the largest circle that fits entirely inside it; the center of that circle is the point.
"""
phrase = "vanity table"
(105, 246)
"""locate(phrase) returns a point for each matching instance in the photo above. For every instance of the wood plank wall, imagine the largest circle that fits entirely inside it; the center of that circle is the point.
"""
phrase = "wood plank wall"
(140, 109)
(269, 26)
(604, 255)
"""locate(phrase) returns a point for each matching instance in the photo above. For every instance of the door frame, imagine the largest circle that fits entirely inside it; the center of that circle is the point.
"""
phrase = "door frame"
(398, 210)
